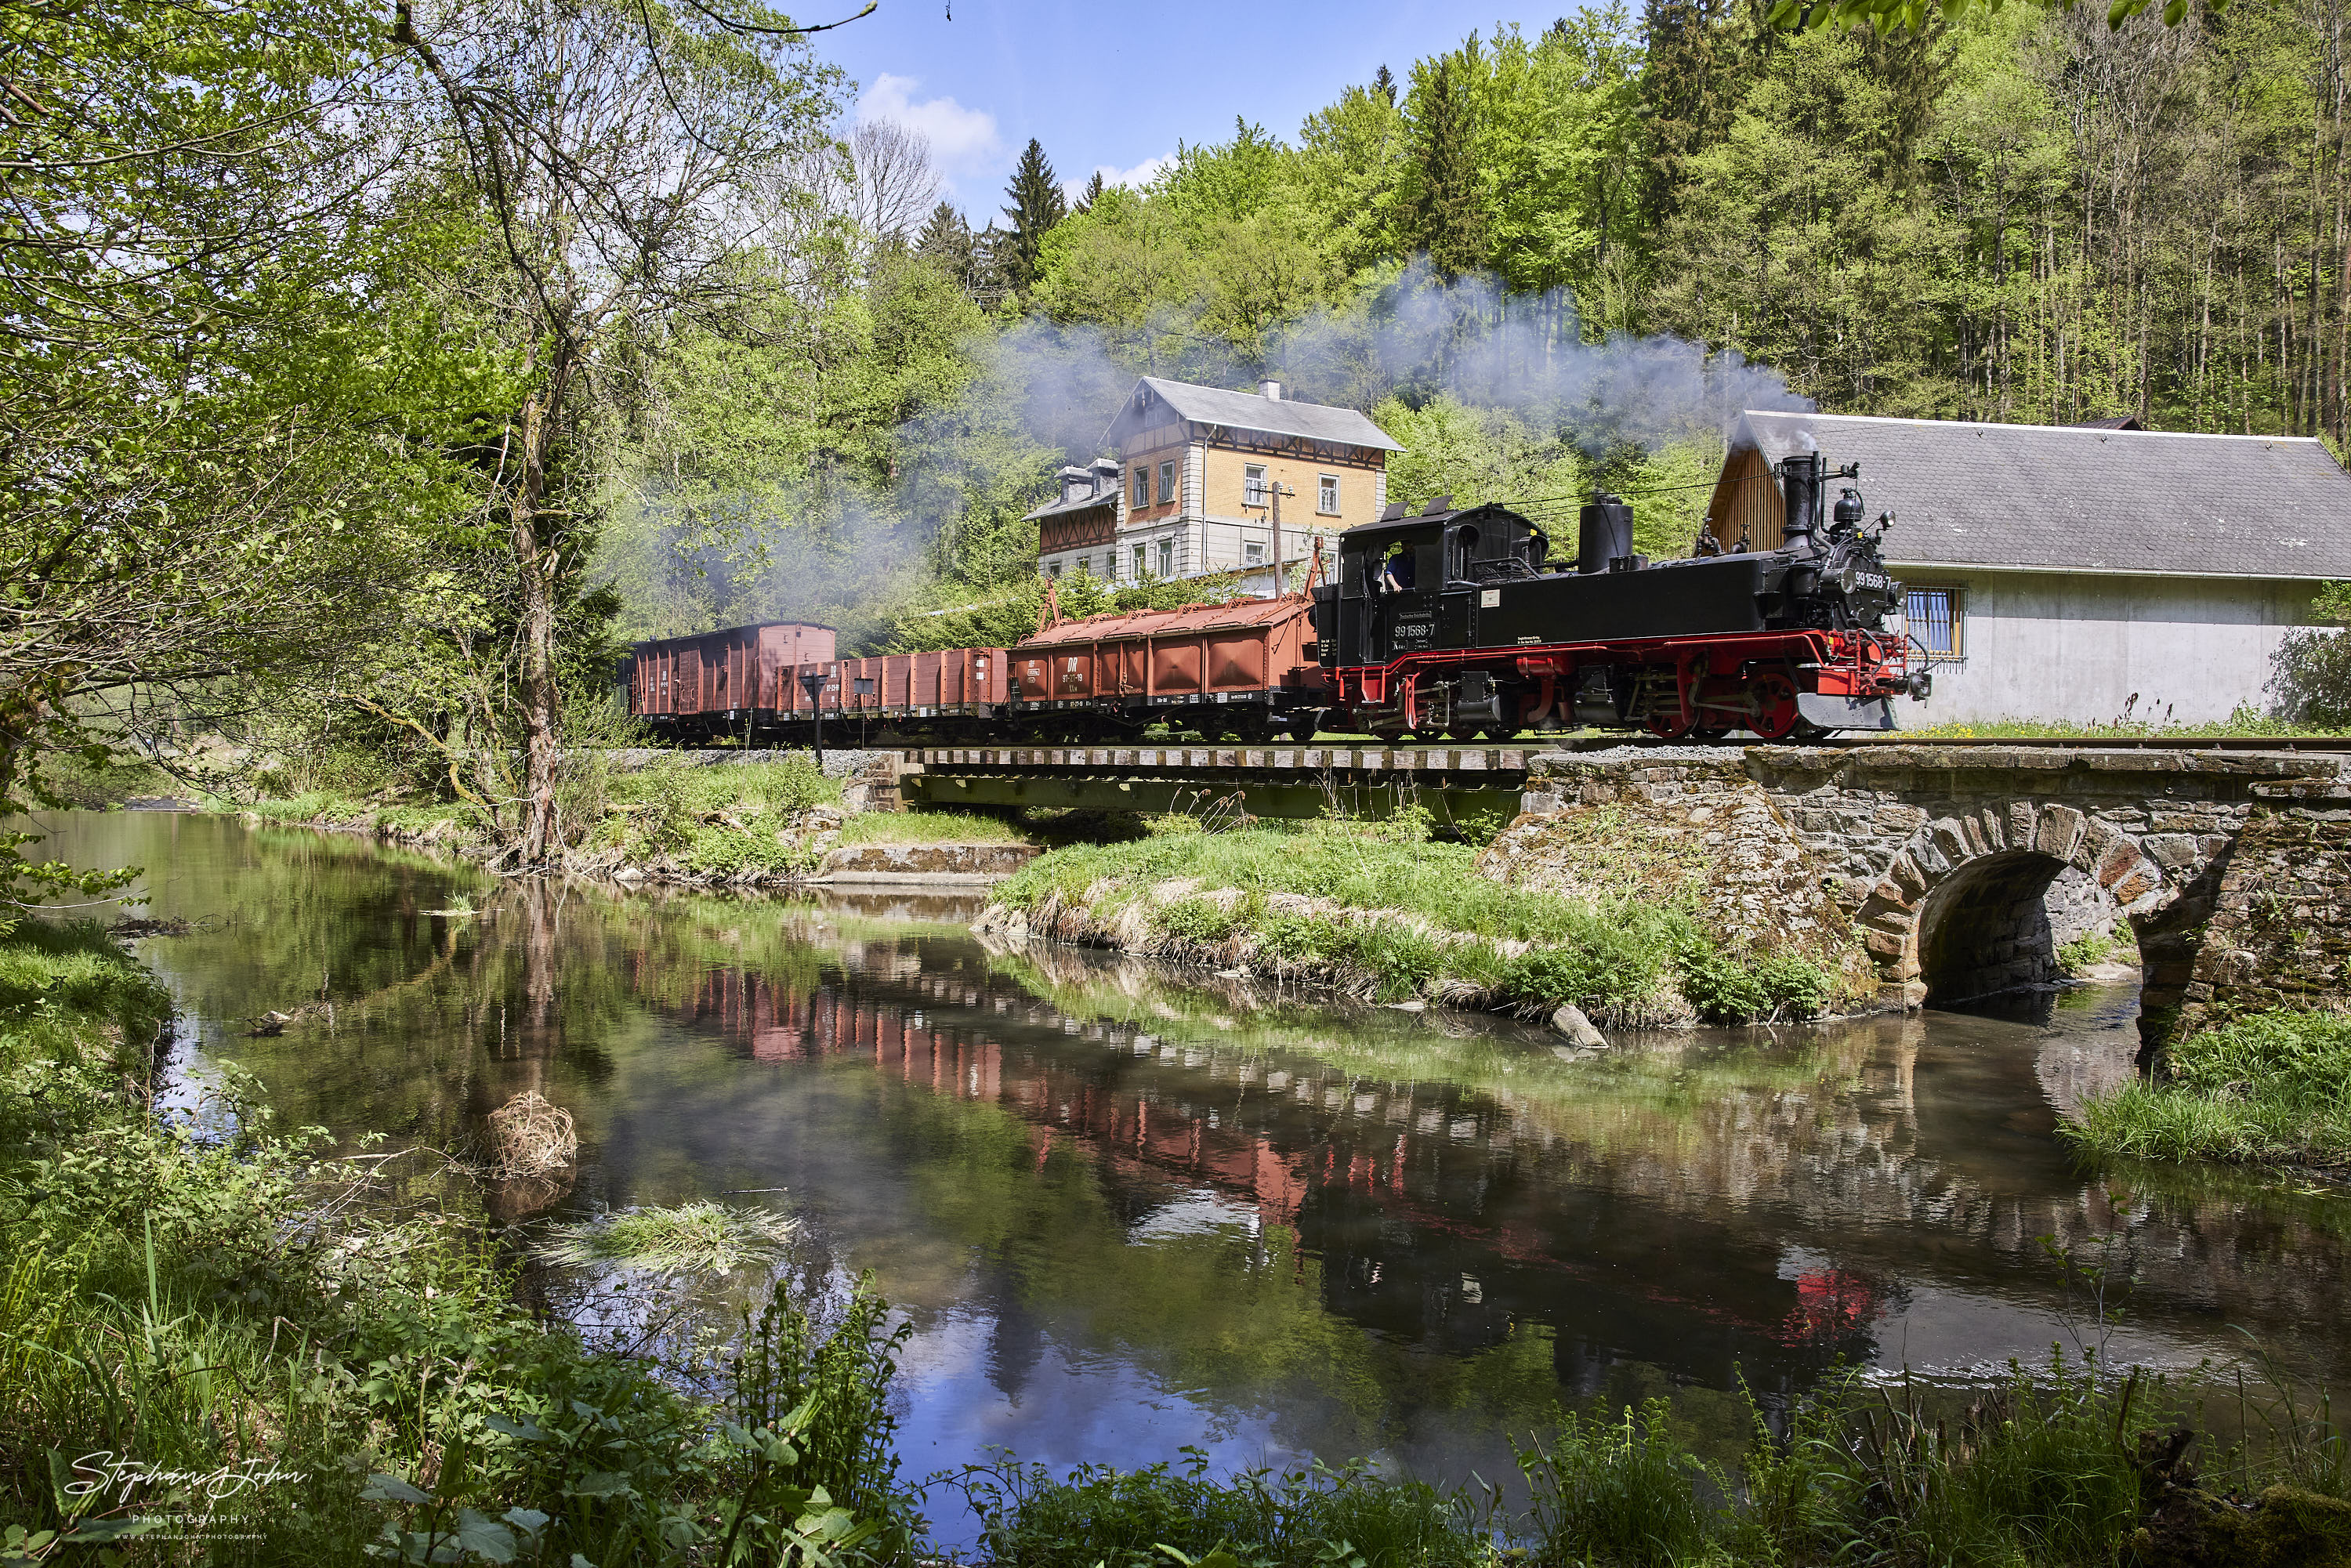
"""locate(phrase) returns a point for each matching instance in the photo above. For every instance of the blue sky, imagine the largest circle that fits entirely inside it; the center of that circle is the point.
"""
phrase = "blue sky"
(1116, 85)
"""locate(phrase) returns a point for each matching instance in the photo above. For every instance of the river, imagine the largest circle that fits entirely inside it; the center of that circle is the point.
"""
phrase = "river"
(1127, 1208)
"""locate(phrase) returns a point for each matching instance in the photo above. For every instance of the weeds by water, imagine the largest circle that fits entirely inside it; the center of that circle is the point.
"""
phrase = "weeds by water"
(2272, 1087)
(691, 1238)
(248, 1308)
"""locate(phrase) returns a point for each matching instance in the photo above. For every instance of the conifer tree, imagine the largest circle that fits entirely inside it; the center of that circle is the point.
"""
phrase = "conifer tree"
(948, 241)
(1037, 204)
(1451, 217)
(1091, 194)
(1681, 88)
(1384, 84)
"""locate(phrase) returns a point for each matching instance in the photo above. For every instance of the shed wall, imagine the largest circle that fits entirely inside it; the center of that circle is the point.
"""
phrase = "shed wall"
(2075, 648)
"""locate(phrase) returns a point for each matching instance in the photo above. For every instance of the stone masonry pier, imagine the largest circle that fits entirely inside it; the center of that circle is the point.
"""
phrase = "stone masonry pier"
(2233, 868)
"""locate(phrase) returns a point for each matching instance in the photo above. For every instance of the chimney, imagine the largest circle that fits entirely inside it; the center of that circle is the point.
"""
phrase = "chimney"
(1269, 389)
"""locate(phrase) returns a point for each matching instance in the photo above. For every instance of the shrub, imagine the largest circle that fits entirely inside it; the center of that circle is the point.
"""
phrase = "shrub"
(1196, 920)
(793, 783)
(1797, 987)
(1720, 984)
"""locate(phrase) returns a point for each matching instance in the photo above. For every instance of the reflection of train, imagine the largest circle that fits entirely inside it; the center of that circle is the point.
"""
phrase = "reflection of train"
(1449, 623)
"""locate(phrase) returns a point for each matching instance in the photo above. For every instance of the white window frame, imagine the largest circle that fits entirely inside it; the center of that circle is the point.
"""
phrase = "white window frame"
(1253, 552)
(1141, 562)
(1167, 482)
(1166, 557)
(1326, 497)
(1141, 485)
(1253, 484)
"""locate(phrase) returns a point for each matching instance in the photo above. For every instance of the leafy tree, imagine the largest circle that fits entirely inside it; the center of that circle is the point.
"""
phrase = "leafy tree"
(225, 436)
(627, 157)
(1036, 205)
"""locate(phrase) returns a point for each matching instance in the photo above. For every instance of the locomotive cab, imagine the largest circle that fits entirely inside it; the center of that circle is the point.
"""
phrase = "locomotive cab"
(1409, 585)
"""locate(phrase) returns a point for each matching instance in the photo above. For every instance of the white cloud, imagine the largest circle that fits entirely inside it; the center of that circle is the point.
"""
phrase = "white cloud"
(1134, 179)
(963, 141)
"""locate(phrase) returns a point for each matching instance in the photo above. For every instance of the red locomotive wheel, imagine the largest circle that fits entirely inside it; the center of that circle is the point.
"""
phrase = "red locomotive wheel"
(1669, 727)
(1776, 715)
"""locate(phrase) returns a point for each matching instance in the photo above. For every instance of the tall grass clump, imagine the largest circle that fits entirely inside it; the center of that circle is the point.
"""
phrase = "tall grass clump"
(1624, 1491)
(2269, 1087)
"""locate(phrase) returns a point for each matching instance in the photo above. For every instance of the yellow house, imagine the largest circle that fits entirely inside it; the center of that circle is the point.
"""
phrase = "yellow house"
(1199, 473)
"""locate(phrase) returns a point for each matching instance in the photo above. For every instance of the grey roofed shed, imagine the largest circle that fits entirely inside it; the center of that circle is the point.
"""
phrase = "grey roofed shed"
(1245, 411)
(2067, 497)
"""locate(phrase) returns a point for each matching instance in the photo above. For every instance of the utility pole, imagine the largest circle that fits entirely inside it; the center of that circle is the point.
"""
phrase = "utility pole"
(1280, 490)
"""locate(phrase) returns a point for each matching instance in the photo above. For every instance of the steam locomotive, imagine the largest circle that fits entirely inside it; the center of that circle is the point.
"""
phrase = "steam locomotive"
(1449, 623)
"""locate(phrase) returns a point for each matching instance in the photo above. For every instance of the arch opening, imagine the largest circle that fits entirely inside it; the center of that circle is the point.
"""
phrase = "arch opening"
(1985, 928)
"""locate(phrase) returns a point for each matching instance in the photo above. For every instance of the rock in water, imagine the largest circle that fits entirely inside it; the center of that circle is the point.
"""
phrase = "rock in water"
(1579, 1030)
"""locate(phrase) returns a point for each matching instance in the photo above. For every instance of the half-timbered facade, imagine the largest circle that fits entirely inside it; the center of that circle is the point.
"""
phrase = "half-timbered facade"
(1194, 484)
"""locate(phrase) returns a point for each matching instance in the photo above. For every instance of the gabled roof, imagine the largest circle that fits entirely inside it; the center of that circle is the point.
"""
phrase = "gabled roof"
(1243, 411)
(2083, 498)
(1074, 504)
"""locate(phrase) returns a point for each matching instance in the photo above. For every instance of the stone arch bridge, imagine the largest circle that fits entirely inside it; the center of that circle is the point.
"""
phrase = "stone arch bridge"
(1964, 867)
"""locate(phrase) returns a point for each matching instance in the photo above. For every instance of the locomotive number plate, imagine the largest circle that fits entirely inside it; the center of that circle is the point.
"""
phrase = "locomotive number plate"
(1874, 581)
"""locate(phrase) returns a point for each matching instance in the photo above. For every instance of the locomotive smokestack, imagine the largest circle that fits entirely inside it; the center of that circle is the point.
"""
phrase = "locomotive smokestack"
(1603, 532)
(1800, 482)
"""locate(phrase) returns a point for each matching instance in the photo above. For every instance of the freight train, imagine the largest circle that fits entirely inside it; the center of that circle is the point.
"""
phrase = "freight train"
(1449, 623)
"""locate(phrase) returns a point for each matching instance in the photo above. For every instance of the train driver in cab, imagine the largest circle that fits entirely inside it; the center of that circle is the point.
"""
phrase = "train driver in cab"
(1396, 573)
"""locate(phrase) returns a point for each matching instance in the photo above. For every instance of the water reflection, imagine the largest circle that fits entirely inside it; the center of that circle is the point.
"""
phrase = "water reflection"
(1128, 1211)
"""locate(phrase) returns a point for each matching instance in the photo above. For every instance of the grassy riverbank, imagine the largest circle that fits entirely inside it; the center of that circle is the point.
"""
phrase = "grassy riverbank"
(242, 1307)
(1380, 910)
(724, 822)
(2271, 1088)
(2038, 1470)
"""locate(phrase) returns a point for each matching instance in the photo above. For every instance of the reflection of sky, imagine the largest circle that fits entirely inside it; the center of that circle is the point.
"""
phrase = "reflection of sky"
(1073, 1409)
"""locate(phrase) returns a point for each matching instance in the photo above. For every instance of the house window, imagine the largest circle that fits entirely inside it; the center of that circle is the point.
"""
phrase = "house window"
(1253, 554)
(1327, 495)
(1937, 620)
(1054, 570)
(1166, 483)
(1253, 485)
(1142, 485)
(1166, 557)
(1140, 569)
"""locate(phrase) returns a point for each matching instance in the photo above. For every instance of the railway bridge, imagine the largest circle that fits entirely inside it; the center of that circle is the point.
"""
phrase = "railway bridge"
(1963, 866)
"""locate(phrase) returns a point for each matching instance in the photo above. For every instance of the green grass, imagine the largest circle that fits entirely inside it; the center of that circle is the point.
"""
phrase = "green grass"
(2272, 1088)
(2035, 1470)
(197, 1306)
(1397, 914)
(926, 827)
(2244, 724)
(691, 1238)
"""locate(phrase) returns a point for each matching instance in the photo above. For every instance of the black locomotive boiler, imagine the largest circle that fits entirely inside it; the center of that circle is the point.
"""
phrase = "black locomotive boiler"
(1450, 623)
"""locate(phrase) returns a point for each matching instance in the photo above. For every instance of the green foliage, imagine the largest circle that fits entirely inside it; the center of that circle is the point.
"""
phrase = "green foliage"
(250, 1302)
(2271, 1086)
(1623, 1491)
(2310, 672)
(1163, 1514)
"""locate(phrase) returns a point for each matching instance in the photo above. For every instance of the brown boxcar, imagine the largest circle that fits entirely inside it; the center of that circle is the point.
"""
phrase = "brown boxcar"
(694, 684)
(1247, 665)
